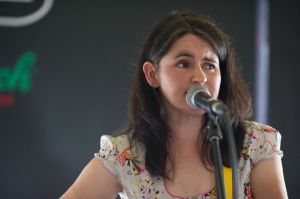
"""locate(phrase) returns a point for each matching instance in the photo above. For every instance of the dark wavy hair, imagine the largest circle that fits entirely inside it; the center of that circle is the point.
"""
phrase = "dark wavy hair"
(146, 123)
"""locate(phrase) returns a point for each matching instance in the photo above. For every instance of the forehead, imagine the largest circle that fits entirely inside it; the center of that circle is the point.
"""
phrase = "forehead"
(195, 45)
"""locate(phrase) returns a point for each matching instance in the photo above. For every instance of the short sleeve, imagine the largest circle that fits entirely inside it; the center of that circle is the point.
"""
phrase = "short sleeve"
(265, 144)
(110, 148)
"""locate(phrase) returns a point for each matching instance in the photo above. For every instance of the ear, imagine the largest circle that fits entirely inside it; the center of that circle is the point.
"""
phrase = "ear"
(150, 74)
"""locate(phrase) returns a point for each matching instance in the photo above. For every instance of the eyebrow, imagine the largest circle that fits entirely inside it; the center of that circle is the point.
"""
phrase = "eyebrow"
(186, 54)
(210, 60)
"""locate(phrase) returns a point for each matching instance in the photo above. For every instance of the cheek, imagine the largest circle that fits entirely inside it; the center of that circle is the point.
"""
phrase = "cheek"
(171, 84)
(168, 85)
(216, 83)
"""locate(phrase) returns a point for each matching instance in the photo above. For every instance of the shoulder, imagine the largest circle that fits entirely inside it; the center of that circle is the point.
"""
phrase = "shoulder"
(125, 159)
(110, 149)
(116, 151)
(261, 141)
(115, 143)
(260, 132)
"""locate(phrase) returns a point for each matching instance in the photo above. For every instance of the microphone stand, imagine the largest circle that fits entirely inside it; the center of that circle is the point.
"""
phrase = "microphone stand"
(214, 135)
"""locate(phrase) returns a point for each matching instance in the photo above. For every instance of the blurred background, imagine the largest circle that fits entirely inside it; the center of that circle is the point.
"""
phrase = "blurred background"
(65, 79)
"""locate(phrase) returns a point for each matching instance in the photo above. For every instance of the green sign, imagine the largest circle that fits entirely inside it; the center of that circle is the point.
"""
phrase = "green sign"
(18, 78)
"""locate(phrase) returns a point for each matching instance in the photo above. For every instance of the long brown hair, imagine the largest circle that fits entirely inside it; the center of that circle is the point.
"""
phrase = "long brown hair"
(147, 125)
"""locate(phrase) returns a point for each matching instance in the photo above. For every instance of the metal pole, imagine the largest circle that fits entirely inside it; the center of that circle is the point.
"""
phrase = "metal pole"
(262, 61)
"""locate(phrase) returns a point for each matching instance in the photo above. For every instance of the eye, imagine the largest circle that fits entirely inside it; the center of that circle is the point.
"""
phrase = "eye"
(209, 66)
(183, 64)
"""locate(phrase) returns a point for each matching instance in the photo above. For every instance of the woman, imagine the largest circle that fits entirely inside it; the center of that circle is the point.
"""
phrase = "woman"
(163, 152)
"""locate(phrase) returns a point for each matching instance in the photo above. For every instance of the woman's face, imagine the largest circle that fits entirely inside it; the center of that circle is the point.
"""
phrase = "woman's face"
(190, 61)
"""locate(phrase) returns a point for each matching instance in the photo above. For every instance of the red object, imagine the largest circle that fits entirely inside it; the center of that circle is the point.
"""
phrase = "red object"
(6, 100)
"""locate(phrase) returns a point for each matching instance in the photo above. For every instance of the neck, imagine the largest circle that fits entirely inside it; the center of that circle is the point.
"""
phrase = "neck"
(186, 128)
(187, 136)
(185, 148)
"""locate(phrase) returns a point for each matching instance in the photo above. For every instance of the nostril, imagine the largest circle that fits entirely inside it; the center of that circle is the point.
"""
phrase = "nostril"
(200, 79)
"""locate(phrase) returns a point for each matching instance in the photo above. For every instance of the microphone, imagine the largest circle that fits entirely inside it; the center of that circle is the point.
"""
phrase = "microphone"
(198, 97)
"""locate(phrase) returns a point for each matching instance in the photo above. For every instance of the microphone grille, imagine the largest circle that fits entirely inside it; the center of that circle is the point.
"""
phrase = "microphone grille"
(192, 92)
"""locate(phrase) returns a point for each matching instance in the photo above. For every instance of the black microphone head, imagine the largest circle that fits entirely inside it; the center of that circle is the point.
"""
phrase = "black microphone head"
(193, 92)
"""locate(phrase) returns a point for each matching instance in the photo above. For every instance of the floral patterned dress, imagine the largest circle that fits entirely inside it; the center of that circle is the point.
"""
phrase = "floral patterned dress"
(261, 142)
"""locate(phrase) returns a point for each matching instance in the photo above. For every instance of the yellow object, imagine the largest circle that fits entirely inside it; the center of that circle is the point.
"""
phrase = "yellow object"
(228, 182)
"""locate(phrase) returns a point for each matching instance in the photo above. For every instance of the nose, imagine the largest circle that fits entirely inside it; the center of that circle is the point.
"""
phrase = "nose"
(199, 76)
